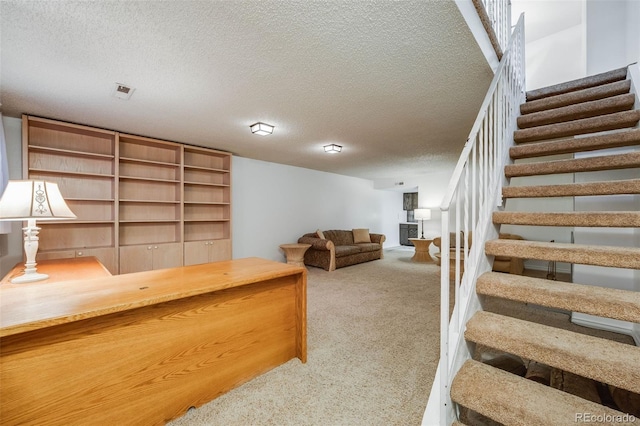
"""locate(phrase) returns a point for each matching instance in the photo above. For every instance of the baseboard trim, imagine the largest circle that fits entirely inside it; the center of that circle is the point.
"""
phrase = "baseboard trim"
(606, 324)
(538, 265)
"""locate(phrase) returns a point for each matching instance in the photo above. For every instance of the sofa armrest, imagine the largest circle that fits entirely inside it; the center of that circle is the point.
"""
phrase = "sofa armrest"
(317, 243)
(377, 238)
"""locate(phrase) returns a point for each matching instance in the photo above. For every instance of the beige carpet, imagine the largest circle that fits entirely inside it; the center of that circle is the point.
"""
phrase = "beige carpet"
(373, 347)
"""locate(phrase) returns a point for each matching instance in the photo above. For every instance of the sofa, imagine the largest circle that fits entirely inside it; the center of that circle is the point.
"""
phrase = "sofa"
(339, 248)
(507, 264)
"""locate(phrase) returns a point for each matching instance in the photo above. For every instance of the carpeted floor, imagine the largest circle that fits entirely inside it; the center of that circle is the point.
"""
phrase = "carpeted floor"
(373, 347)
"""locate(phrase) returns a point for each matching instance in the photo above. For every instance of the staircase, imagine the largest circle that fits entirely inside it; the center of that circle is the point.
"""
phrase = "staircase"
(590, 114)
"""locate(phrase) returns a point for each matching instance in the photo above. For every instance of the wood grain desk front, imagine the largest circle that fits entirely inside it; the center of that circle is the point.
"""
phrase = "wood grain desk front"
(143, 348)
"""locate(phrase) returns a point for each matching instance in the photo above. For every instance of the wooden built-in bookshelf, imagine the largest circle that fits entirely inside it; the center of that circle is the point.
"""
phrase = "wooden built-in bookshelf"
(141, 203)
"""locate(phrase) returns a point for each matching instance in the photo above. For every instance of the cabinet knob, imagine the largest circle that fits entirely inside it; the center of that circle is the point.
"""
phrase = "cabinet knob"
(206, 243)
(79, 253)
(155, 247)
(149, 248)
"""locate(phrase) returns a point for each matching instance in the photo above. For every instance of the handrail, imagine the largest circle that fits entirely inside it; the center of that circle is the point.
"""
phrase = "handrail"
(499, 15)
(472, 194)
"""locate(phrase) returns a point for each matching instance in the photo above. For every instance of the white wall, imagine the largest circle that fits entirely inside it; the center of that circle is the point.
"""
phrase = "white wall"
(608, 24)
(275, 204)
(12, 243)
(556, 58)
(272, 204)
(431, 188)
(613, 41)
(555, 41)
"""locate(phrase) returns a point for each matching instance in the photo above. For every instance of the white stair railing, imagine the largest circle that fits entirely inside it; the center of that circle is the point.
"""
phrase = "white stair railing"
(475, 190)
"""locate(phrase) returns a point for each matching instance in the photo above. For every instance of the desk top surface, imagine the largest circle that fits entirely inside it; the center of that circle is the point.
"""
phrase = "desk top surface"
(26, 307)
(61, 270)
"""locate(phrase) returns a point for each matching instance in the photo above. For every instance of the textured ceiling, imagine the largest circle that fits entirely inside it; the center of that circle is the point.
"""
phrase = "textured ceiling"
(397, 83)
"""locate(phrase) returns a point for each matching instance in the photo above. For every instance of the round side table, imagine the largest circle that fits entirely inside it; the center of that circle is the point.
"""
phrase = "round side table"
(422, 249)
(295, 253)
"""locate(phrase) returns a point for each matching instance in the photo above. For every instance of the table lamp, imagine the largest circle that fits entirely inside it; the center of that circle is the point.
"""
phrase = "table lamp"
(422, 215)
(31, 200)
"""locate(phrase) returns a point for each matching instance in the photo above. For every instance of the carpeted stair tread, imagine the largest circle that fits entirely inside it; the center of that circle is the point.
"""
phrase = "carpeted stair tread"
(589, 299)
(584, 95)
(615, 257)
(572, 145)
(618, 120)
(578, 84)
(627, 186)
(579, 111)
(604, 162)
(613, 219)
(599, 359)
(514, 400)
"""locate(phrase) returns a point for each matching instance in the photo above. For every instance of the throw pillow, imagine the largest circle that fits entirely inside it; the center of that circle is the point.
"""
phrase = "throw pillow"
(361, 236)
(320, 234)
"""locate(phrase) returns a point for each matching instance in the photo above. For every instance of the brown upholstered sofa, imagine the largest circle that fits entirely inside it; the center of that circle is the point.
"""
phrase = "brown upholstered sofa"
(337, 248)
(508, 264)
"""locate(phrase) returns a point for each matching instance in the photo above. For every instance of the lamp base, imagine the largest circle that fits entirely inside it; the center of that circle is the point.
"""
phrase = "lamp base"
(29, 278)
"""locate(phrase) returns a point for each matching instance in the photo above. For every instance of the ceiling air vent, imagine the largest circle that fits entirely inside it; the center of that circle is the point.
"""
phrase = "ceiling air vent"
(122, 91)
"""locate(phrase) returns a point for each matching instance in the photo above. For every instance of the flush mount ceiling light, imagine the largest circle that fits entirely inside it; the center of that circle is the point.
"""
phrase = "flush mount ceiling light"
(332, 148)
(261, 129)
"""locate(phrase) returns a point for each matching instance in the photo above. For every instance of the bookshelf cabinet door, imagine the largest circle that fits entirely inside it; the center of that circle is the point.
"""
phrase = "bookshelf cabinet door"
(196, 252)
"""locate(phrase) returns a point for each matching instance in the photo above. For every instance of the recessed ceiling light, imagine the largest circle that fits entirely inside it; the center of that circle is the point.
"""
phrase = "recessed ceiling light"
(262, 129)
(122, 91)
(332, 148)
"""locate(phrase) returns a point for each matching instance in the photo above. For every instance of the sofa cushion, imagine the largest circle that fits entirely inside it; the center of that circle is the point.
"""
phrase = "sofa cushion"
(361, 235)
(339, 237)
(367, 247)
(347, 250)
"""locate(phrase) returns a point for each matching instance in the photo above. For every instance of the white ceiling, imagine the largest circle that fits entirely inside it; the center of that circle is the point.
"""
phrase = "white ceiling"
(397, 83)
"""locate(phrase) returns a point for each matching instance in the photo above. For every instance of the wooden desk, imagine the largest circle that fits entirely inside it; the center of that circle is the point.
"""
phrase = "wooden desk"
(422, 249)
(142, 348)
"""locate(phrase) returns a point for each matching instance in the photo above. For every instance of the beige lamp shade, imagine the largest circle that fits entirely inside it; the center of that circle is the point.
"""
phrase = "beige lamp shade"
(422, 214)
(33, 199)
